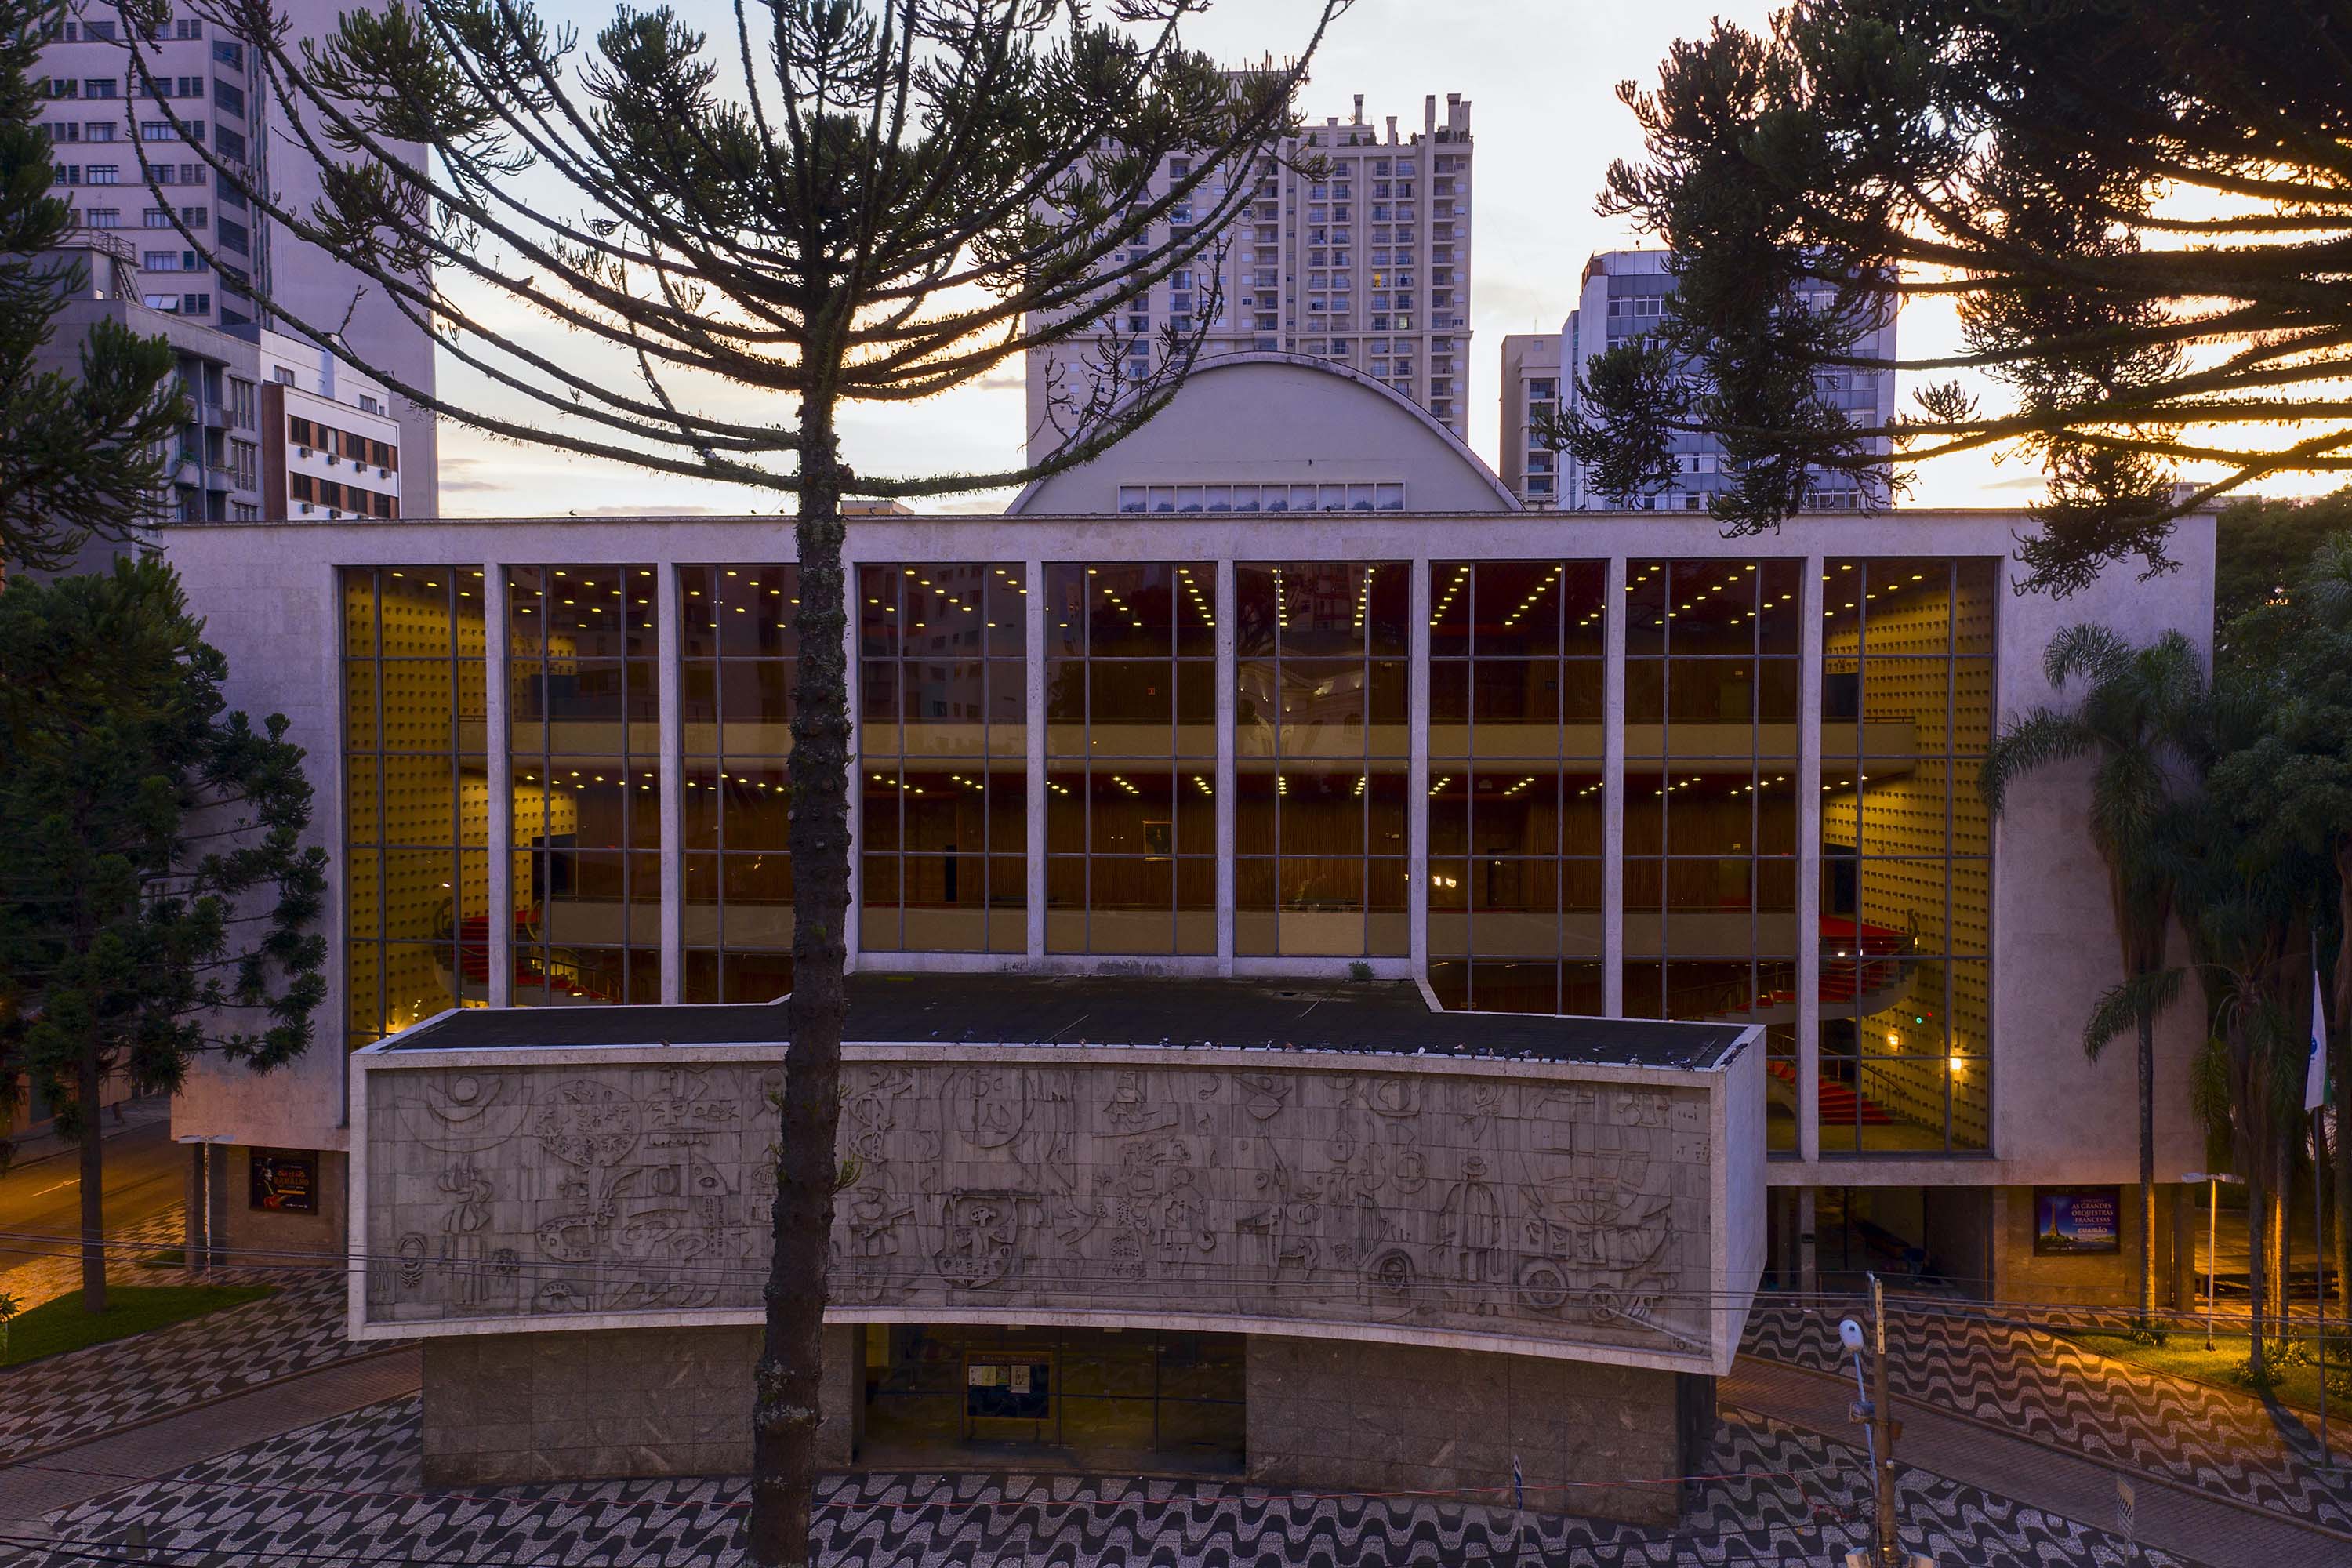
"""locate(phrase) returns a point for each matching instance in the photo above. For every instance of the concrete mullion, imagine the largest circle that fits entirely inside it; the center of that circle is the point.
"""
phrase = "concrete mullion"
(1808, 861)
(498, 931)
(670, 771)
(1228, 774)
(1612, 792)
(1033, 608)
(1416, 820)
(853, 670)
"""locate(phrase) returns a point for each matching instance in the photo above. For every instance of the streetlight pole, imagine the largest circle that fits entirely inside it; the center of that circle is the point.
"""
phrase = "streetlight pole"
(2212, 1180)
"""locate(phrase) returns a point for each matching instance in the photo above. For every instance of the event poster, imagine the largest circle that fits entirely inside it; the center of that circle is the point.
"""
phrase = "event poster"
(286, 1182)
(2074, 1220)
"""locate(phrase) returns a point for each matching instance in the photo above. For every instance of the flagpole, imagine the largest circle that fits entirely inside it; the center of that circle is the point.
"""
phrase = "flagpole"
(2319, 1184)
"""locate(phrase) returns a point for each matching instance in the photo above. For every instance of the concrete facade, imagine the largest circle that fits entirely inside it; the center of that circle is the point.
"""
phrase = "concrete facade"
(1598, 1214)
(1359, 1417)
(523, 1409)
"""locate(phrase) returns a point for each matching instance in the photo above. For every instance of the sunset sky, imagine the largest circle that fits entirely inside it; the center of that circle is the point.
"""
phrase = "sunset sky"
(1541, 75)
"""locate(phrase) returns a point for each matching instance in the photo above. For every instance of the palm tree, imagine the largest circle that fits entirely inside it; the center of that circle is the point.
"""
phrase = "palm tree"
(2134, 704)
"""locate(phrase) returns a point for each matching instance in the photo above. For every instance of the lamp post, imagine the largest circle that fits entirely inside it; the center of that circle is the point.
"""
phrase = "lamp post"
(2212, 1180)
(189, 1254)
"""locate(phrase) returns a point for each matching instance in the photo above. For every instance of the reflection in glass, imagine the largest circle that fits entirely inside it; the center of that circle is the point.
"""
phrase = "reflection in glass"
(1131, 738)
(1905, 885)
(416, 796)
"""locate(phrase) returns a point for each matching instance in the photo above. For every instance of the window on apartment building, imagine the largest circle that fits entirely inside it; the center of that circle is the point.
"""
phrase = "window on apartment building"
(63, 131)
(281, 375)
(161, 302)
(159, 260)
(1131, 749)
(234, 236)
(230, 144)
(157, 131)
(187, 27)
(583, 713)
(1514, 800)
(229, 53)
(102, 217)
(943, 738)
(105, 174)
(195, 218)
(98, 130)
(98, 87)
(155, 217)
(416, 802)
(195, 304)
(65, 174)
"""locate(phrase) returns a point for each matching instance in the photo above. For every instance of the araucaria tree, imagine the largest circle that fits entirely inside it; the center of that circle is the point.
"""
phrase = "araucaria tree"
(2141, 212)
(82, 452)
(2134, 706)
(834, 202)
(156, 902)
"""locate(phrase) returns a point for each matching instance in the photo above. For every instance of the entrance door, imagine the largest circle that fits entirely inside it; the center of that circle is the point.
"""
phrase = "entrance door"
(1008, 1396)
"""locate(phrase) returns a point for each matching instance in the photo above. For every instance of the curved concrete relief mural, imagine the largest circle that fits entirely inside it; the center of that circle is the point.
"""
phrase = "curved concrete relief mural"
(1533, 1207)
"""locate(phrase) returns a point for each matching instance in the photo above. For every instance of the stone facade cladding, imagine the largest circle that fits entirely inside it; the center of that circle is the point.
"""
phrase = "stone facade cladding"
(525, 1408)
(1367, 1417)
(1576, 1210)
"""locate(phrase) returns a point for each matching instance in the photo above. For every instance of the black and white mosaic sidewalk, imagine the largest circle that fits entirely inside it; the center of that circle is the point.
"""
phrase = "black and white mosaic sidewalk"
(348, 1490)
(2038, 1385)
(88, 1392)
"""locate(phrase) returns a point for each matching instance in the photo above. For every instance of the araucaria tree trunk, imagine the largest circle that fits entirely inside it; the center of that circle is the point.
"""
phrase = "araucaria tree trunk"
(88, 1084)
(2147, 1171)
(787, 1379)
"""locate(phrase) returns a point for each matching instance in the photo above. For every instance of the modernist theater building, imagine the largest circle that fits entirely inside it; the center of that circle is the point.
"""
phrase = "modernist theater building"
(1312, 919)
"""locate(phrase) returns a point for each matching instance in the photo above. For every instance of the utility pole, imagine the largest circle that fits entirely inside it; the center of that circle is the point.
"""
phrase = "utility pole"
(1884, 1428)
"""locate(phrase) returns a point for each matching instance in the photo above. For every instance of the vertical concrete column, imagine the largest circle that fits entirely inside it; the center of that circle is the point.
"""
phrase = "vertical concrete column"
(1612, 793)
(1228, 772)
(1033, 607)
(1808, 862)
(1809, 1273)
(499, 766)
(670, 774)
(1416, 787)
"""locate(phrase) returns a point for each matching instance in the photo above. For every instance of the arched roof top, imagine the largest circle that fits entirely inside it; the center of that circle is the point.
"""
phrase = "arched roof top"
(1271, 419)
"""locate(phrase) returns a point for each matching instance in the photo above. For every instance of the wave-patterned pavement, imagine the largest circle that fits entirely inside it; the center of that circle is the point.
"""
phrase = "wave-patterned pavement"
(349, 1487)
(1956, 1358)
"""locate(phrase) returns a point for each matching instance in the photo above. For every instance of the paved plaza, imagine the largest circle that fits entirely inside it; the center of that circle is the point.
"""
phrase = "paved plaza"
(155, 1443)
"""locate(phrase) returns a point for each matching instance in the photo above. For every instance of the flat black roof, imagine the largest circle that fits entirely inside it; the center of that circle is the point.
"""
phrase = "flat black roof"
(1385, 1017)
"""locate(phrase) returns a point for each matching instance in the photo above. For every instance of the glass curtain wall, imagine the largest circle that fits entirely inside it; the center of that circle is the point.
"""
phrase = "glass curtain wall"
(1711, 748)
(1906, 877)
(737, 663)
(1321, 741)
(942, 758)
(416, 816)
(1516, 685)
(583, 716)
(1132, 759)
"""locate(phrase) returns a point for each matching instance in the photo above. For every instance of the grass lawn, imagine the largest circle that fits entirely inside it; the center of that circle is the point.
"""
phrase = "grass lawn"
(2183, 1354)
(61, 1325)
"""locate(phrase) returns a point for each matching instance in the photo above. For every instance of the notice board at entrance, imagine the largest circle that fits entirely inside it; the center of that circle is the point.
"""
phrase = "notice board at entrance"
(1017, 1388)
(2071, 1222)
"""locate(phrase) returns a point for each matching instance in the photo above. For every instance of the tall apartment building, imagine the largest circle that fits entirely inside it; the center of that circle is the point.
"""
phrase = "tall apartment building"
(1363, 260)
(1624, 296)
(276, 428)
(102, 117)
(1530, 394)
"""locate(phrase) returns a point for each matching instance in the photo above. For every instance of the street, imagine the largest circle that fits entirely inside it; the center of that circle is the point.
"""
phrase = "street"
(144, 1170)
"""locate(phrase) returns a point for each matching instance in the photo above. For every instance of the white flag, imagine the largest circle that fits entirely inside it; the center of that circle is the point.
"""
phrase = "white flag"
(2315, 1077)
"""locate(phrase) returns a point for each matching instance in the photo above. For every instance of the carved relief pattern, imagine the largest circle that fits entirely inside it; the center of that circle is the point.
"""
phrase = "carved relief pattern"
(1538, 1207)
